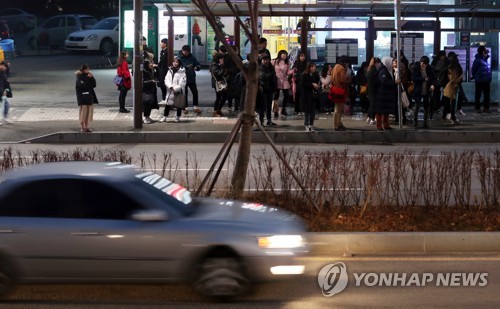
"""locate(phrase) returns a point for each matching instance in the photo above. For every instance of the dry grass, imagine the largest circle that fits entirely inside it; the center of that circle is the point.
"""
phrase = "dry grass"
(406, 191)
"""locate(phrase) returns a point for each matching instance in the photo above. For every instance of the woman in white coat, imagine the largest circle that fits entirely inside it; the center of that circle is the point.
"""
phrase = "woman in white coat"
(175, 81)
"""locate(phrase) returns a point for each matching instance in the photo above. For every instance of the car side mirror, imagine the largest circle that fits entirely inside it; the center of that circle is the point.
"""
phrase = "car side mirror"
(150, 215)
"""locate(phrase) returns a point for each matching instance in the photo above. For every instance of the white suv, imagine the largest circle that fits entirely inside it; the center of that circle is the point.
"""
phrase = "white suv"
(102, 37)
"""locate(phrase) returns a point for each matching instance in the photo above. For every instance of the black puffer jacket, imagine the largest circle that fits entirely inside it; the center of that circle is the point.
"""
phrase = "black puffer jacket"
(85, 85)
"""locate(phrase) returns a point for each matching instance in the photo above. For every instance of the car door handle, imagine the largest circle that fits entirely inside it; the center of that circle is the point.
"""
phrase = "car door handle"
(85, 234)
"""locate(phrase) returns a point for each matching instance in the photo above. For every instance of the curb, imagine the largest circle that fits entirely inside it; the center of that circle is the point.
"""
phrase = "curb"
(284, 137)
(396, 242)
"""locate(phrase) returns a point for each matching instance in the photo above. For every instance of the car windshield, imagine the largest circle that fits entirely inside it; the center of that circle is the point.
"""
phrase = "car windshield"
(88, 22)
(166, 186)
(106, 24)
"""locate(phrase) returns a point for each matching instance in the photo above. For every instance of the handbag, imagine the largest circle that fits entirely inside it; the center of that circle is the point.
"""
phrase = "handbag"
(179, 100)
(363, 89)
(148, 98)
(404, 99)
(337, 94)
(221, 85)
(118, 80)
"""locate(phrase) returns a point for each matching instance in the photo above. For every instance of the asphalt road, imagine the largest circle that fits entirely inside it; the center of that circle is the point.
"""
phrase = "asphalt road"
(303, 292)
(49, 80)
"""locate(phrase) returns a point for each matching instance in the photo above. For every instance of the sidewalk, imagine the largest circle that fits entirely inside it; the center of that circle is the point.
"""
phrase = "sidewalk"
(60, 125)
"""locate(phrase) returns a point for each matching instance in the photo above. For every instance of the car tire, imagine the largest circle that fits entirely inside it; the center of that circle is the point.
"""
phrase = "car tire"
(106, 46)
(221, 277)
(7, 275)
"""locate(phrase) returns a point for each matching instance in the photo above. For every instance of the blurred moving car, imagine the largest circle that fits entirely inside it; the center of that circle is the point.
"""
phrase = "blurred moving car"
(54, 30)
(102, 37)
(18, 19)
(74, 222)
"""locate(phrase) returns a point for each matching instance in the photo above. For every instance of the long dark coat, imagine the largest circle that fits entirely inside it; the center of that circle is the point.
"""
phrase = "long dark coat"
(308, 102)
(384, 97)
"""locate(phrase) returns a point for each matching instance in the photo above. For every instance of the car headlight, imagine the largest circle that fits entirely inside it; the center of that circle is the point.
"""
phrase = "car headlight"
(281, 241)
(92, 37)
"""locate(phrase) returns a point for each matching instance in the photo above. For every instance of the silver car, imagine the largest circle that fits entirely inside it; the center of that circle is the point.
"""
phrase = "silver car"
(54, 30)
(75, 222)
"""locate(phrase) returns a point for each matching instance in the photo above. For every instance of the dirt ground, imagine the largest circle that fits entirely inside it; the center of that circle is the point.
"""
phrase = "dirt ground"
(381, 219)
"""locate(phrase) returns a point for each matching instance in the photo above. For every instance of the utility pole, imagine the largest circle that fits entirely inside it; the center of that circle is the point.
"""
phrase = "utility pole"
(137, 63)
(397, 21)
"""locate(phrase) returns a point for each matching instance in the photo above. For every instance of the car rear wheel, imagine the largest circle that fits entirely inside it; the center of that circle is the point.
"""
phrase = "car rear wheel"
(6, 276)
(221, 277)
(106, 47)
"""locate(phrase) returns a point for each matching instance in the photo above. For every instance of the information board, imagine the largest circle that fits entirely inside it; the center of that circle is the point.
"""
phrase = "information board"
(335, 48)
(412, 45)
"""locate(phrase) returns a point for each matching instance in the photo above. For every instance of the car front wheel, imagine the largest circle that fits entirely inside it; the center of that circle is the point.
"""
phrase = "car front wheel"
(221, 277)
(106, 47)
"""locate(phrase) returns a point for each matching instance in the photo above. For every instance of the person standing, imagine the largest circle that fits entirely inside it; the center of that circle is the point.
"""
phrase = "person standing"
(190, 65)
(147, 52)
(325, 82)
(5, 91)
(263, 51)
(126, 84)
(371, 77)
(385, 86)
(162, 69)
(341, 81)
(481, 74)
(298, 67)
(86, 97)
(219, 76)
(440, 65)
(175, 80)
(149, 96)
(283, 71)
(423, 80)
(450, 92)
(267, 80)
(362, 86)
(310, 83)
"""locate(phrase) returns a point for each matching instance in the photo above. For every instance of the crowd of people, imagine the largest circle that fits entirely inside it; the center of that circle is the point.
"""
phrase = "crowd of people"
(377, 88)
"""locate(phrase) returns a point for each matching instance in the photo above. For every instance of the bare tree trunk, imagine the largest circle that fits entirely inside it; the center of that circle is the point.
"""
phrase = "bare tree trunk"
(250, 72)
(246, 134)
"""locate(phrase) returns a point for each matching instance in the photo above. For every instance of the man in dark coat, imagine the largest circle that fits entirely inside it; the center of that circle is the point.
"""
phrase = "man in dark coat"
(481, 74)
(267, 85)
(423, 81)
(162, 69)
(191, 65)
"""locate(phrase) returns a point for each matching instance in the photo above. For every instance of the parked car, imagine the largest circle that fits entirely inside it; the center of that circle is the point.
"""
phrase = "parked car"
(102, 37)
(18, 19)
(98, 222)
(54, 30)
(4, 30)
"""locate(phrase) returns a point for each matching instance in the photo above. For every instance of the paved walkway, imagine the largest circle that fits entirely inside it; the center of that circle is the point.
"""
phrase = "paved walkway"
(32, 123)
